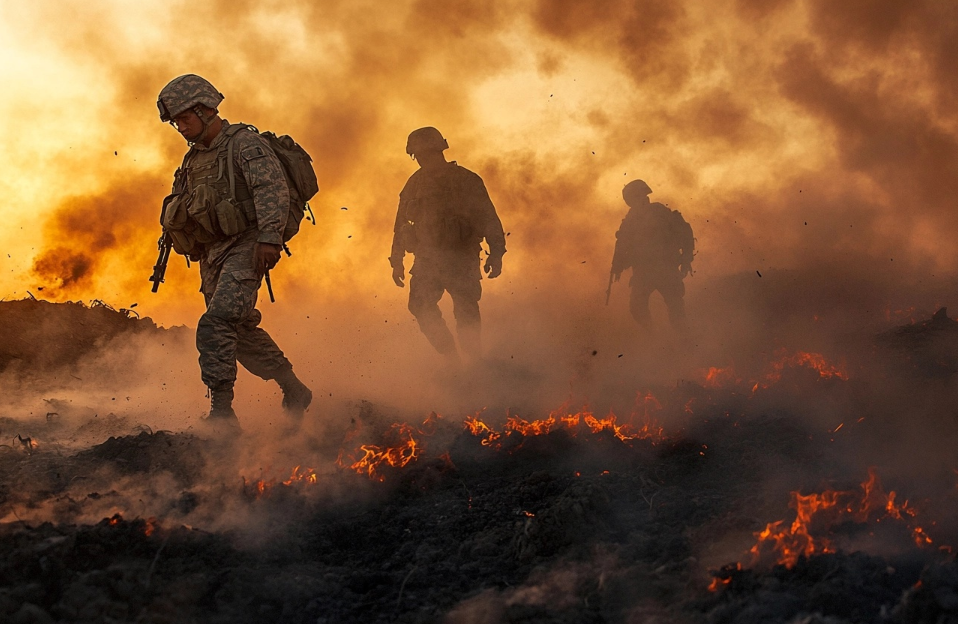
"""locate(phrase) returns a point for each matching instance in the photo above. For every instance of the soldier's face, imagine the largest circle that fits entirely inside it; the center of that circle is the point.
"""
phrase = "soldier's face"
(189, 125)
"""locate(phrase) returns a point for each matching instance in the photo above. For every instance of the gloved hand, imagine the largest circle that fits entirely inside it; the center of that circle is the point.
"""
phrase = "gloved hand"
(399, 275)
(265, 257)
(493, 266)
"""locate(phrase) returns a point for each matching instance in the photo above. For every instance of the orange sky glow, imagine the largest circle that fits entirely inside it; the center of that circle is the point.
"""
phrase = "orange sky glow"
(788, 133)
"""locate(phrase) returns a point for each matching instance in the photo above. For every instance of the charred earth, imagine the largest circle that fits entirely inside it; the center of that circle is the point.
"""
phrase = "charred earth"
(790, 494)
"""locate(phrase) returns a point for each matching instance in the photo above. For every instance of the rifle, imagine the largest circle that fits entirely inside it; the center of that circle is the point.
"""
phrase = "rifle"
(608, 291)
(165, 244)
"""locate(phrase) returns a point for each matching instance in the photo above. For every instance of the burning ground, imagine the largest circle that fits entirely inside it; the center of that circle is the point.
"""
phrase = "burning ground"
(791, 488)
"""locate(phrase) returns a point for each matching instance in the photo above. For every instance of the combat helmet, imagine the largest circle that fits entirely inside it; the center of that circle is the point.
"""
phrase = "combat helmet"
(635, 189)
(425, 140)
(184, 93)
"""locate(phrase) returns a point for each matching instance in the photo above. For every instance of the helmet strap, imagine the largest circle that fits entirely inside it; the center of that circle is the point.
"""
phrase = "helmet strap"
(207, 121)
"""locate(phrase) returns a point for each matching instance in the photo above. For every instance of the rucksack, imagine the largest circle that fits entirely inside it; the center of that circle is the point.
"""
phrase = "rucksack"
(298, 170)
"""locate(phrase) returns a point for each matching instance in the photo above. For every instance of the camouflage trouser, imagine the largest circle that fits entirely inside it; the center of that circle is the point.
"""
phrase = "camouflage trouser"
(670, 286)
(228, 332)
(427, 282)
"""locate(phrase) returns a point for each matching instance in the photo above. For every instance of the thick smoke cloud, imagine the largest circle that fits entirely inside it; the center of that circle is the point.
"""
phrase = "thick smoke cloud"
(800, 139)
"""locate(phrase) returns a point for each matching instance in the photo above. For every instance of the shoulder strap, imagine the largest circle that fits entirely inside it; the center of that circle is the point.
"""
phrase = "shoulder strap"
(231, 132)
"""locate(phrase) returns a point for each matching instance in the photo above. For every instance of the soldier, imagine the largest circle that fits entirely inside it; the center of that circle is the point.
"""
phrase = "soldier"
(657, 244)
(444, 214)
(228, 211)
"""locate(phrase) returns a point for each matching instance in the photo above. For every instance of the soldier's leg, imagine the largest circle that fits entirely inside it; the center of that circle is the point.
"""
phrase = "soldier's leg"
(230, 298)
(673, 292)
(425, 291)
(639, 299)
(466, 293)
(256, 349)
(260, 355)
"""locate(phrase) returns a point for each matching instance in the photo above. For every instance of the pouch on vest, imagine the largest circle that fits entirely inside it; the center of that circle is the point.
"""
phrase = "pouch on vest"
(183, 242)
(230, 218)
(202, 209)
(173, 215)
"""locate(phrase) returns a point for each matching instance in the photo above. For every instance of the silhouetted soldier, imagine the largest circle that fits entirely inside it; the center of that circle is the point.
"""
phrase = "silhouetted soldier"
(657, 244)
(444, 213)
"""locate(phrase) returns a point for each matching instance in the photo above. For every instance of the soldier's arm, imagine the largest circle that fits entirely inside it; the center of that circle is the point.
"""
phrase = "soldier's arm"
(490, 227)
(267, 184)
(624, 236)
(398, 250)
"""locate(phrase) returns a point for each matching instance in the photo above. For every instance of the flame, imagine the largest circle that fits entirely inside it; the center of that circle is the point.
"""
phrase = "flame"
(644, 412)
(405, 449)
(800, 359)
(816, 514)
(717, 377)
(263, 487)
(720, 377)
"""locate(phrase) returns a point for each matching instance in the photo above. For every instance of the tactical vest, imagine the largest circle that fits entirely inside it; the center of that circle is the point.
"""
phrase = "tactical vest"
(210, 201)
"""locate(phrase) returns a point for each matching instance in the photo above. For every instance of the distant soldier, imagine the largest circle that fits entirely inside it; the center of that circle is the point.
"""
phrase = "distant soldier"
(444, 214)
(657, 244)
(228, 211)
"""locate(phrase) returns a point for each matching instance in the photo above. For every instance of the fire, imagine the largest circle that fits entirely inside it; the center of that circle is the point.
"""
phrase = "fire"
(403, 444)
(721, 377)
(262, 487)
(800, 359)
(816, 514)
(403, 450)
(644, 412)
(724, 577)
(717, 377)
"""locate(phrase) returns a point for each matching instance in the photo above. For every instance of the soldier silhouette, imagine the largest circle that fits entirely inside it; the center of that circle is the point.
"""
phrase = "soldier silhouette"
(657, 244)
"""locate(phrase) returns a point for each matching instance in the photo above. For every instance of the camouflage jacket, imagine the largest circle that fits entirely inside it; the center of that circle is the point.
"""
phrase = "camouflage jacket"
(445, 212)
(653, 238)
(259, 177)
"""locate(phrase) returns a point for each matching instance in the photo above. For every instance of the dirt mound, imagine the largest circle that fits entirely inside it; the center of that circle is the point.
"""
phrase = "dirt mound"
(927, 348)
(38, 337)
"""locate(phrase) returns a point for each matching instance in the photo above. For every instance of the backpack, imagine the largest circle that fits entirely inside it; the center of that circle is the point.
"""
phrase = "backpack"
(298, 170)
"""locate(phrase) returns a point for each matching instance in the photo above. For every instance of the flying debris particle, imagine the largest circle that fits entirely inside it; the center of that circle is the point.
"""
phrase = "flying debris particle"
(583, 262)
(344, 208)
(114, 153)
(806, 223)
(621, 354)
(350, 236)
(595, 353)
(508, 233)
(134, 305)
(593, 153)
(759, 274)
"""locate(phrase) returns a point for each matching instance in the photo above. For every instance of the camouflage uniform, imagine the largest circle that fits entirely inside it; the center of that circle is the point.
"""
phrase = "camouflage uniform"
(654, 241)
(229, 331)
(443, 216)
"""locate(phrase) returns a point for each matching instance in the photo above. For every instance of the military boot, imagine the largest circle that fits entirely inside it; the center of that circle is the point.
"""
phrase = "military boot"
(222, 417)
(296, 396)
